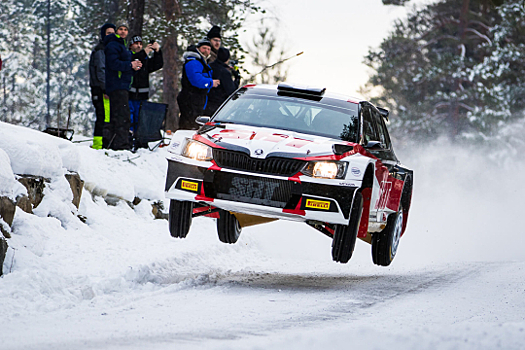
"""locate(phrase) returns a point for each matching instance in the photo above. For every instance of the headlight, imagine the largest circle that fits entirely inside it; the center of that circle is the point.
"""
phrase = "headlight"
(326, 170)
(196, 150)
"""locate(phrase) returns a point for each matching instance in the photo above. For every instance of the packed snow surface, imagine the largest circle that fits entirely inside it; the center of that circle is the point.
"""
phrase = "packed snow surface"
(119, 281)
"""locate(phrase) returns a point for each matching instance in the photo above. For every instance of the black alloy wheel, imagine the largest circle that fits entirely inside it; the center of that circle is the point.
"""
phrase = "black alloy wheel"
(180, 218)
(385, 243)
(228, 227)
(345, 236)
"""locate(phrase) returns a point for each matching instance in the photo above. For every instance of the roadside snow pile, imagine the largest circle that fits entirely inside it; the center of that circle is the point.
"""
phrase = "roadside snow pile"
(35, 153)
(30, 156)
(60, 256)
(9, 187)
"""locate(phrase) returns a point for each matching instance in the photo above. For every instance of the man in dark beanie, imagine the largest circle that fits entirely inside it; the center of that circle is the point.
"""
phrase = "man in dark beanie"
(139, 90)
(97, 82)
(214, 35)
(196, 83)
(119, 73)
(222, 72)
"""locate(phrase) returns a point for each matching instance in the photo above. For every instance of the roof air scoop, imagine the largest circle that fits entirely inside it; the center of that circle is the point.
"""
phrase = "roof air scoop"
(301, 90)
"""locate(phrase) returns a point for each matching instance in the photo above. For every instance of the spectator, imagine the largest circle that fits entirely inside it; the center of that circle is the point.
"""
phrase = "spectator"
(119, 73)
(196, 83)
(97, 82)
(221, 71)
(214, 35)
(139, 90)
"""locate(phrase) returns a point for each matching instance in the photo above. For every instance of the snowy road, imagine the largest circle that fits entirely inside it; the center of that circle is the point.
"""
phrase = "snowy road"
(253, 297)
(119, 281)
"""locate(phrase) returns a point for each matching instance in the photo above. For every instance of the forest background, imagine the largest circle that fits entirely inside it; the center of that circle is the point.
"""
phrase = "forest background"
(453, 67)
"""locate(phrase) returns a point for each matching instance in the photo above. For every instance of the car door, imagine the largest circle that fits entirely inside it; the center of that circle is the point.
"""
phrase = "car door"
(371, 137)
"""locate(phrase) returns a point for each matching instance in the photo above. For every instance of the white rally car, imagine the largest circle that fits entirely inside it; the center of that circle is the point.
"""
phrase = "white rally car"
(291, 153)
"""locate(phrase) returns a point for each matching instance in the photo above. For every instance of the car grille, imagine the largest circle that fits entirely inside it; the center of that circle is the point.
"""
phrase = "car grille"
(250, 189)
(272, 165)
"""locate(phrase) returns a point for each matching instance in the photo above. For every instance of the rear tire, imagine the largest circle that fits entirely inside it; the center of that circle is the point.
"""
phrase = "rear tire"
(228, 227)
(180, 218)
(385, 243)
(345, 236)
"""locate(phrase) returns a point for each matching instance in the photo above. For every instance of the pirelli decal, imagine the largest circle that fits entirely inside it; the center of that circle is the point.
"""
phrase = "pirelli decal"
(188, 185)
(316, 204)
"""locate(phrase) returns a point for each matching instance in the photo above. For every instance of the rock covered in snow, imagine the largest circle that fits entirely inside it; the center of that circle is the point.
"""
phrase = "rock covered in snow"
(37, 153)
(9, 187)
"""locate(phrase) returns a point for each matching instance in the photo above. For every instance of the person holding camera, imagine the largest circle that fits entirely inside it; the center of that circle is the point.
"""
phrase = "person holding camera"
(139, 90)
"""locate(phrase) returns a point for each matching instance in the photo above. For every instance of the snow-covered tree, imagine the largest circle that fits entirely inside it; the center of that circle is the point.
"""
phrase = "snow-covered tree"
(436, 73)
(75, 31)
(24, 35)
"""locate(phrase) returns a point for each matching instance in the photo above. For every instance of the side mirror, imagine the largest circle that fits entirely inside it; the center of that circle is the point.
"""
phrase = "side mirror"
(202, 120)
(373, 145)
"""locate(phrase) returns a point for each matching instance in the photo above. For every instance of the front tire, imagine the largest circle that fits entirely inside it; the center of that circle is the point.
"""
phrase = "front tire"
(228, 227)
(385, 243)
(345, 236)
(180, 218)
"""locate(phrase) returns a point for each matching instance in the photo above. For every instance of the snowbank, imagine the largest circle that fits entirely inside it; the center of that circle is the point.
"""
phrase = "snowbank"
(35, 153)
(118, 280)
(9, 187)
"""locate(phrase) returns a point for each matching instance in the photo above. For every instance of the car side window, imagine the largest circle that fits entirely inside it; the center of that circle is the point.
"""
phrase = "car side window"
(381, 128)
(369, 130)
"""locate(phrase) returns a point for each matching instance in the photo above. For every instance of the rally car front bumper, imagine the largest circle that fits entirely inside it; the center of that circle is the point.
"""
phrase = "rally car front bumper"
(296, 198)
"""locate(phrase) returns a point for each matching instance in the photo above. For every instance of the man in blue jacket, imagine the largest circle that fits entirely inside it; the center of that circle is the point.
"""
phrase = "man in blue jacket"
(196, 83)
(119, 74)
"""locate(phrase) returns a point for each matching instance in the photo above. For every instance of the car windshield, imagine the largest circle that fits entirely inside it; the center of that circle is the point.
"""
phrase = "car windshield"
(293, 114)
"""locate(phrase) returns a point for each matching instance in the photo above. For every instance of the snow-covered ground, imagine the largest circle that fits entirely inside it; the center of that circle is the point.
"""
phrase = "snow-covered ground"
(119, 281)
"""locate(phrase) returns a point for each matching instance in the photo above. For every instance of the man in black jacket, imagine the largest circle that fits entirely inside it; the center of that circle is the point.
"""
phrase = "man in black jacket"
(97, 82)
(214, 36)
(119, 74)
(222, 72)
(139, 90)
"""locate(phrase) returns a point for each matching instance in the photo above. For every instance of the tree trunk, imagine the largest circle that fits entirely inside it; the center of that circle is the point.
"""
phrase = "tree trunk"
(112, 10)
(170, 71)
(463, 23)
(135, 17)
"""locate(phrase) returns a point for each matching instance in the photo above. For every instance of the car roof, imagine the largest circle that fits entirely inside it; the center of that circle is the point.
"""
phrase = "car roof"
(322, 94)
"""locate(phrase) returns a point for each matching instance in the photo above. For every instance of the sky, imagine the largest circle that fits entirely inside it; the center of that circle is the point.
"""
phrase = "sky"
(335, 35)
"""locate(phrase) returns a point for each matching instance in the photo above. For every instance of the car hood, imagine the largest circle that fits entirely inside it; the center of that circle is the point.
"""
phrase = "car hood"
(261, 142)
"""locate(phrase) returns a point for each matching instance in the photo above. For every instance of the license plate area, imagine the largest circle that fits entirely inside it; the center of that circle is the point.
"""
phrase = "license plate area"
(249, 189)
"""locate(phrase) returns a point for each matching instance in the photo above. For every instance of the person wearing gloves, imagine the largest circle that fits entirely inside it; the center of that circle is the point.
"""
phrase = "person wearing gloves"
(97, 82)
(222, 72)
(196, 83)
(119, 74)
